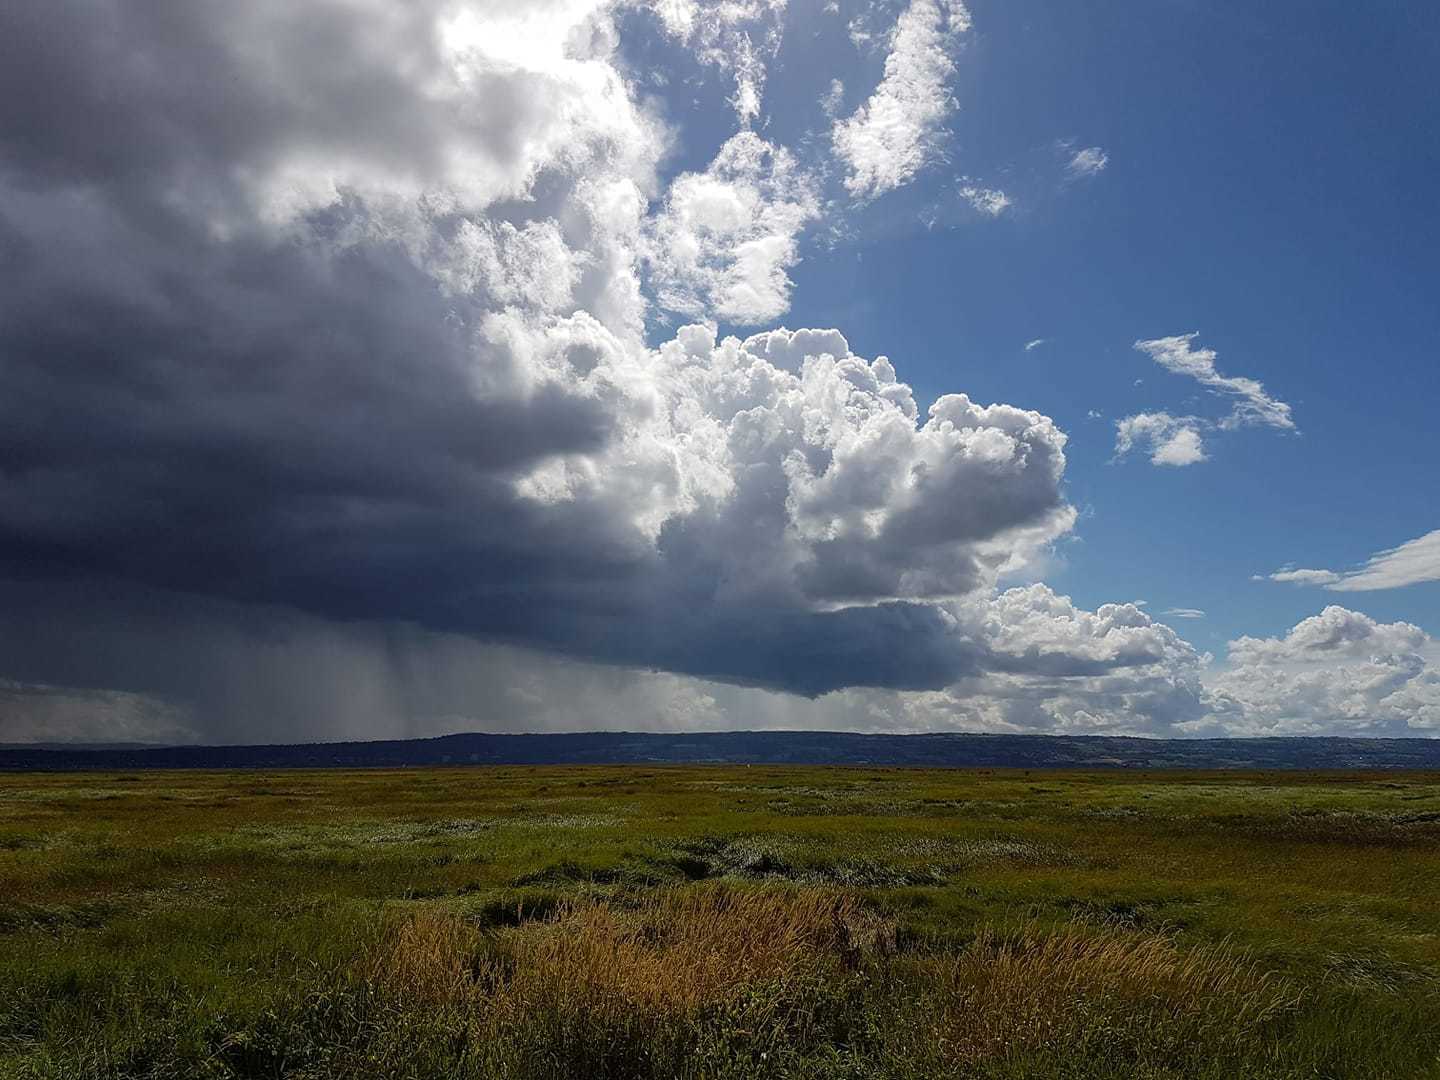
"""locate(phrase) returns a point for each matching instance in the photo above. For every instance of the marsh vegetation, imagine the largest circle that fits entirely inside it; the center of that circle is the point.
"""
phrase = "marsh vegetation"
(719, 922)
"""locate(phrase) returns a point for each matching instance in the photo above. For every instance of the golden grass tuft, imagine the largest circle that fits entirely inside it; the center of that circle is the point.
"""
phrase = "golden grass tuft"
(676, 951)
(427, 958)
(692, 947)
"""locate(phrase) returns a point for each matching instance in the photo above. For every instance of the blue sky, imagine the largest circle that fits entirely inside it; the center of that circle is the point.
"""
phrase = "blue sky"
(1269, 183)
(382, 369)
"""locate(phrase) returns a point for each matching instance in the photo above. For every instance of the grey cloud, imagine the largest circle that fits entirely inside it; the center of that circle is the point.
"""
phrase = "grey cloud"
(218, 671)
(213, 670)
(336, 310)
(1302, 577)
(31, 713)
(329, 413)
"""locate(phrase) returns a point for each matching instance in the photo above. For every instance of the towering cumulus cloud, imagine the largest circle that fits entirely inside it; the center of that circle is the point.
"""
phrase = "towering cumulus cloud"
(339, 399)
(362, 336)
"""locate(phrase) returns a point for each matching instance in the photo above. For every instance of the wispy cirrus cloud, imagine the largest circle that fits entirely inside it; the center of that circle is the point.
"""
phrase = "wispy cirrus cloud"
(1252, 405)
(739, 37)
(988, 201)
(1180, 440)
(895, 133)
(1091, 161)
(1411, 563)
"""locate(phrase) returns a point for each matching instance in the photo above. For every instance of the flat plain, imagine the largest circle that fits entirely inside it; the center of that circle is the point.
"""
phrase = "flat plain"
(694, 921)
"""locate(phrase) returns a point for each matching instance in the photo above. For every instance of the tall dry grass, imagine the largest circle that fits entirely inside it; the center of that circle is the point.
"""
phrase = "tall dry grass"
(678, 950)
(717, 980)
(728, 976)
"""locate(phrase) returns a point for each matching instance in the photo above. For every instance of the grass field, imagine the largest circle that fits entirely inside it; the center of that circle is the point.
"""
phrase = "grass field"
(719, 922)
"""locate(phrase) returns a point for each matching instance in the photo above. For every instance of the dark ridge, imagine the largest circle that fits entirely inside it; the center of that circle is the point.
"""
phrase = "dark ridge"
(759, 747)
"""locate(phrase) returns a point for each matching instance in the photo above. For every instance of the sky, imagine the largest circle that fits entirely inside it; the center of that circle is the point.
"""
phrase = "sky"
(379, 370)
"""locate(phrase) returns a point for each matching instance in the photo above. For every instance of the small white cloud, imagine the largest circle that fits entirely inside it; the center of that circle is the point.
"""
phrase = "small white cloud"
(1182, 448)
(987, 201)
(1090, 161)
(1173, 440)
(1411, 563)
(1030, 345)
(1184, 613)
(1253, 406)
(1179, 440)
(1095, 414)
(860, 34)
(895, 134)
(834, 99)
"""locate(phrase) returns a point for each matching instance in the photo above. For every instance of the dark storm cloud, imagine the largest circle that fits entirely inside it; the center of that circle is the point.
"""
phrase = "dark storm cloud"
(135, 95)
(319, 306)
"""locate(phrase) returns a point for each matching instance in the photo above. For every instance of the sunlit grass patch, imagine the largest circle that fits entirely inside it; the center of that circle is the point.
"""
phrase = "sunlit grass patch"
(676, 950)
(688, 980)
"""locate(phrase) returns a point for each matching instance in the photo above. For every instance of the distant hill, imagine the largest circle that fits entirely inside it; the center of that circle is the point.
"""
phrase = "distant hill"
(758, 747)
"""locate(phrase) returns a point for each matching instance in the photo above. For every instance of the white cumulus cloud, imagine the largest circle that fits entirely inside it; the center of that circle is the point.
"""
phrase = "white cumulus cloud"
(1171, 440)
(1339, 672)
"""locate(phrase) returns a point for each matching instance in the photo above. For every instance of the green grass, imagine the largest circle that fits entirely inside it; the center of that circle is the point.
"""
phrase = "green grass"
(719, 922)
